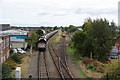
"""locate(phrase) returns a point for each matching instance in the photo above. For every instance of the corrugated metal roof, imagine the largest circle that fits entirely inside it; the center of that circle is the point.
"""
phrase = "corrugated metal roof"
(14, 32)
(2, 35)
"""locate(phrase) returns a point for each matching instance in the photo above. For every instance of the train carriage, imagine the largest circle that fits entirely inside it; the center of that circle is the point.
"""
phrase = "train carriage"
(43, 39)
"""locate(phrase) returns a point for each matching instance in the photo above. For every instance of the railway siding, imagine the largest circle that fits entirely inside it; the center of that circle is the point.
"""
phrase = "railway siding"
(63, 69)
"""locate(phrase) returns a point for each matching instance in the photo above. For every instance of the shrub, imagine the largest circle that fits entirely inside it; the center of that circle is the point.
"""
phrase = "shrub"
(6, 71)
(17, 58)
(80, 58)
(91, 67)
(101, 70)
(95, 64)
(113, 69)
(87, 61)
(11, 63)
(11, 51)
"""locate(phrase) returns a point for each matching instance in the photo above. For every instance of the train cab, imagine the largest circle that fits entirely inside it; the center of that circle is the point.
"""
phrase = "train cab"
(41, 44)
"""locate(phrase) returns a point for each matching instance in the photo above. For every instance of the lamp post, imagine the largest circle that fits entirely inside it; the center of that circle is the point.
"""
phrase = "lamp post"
(31, 50)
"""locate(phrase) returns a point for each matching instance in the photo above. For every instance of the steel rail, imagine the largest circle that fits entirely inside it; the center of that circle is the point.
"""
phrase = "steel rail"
(42, 66)
(61, 62)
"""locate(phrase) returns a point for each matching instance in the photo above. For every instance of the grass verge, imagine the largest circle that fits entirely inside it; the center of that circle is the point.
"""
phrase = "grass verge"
(75, 60)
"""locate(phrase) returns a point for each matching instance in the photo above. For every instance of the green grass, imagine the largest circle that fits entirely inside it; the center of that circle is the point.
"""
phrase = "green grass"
(75, 60)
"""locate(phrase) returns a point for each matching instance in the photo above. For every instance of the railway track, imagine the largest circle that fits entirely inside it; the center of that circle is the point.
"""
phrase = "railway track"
(42, 66)
(59, 63)
(62, 51)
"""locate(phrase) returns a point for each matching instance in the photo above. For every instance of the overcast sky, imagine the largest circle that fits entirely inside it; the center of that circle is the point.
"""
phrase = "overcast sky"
(56, 12)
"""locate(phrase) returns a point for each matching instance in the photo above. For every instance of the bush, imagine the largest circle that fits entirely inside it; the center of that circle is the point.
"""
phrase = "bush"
(6, 71)
(91, 67)
(113, 69)
(87, 61)
(17, 58)
(11, 51)
(100, 69)
(12, 64)
(95, 64)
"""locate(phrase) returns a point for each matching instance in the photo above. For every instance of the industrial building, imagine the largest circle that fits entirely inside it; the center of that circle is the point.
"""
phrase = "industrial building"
(4, 47)
(17, 37)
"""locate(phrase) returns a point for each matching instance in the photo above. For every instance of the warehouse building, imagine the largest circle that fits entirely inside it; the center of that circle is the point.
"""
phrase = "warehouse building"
(4, 47)
(17, 38)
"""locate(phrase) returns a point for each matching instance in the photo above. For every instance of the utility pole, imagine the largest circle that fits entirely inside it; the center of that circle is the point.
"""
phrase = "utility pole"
(31, 50)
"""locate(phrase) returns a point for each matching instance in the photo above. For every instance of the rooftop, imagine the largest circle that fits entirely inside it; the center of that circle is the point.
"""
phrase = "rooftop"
(14, 32)
(2, 35)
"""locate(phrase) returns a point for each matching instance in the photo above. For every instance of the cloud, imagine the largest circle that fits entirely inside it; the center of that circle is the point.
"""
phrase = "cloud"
(96, 11)
(53, 13)
(56, 12)
(43, 14)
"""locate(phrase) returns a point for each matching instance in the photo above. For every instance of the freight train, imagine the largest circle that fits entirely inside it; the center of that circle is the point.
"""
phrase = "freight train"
(43, 40)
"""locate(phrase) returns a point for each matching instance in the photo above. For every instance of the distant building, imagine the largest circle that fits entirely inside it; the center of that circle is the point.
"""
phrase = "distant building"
(114, 54)
(78, 29)
(17, 38)
(4, 27)
(4, 47)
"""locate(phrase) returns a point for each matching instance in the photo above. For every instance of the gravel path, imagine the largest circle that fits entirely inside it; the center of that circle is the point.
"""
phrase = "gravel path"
(75, 70)
(32, 69)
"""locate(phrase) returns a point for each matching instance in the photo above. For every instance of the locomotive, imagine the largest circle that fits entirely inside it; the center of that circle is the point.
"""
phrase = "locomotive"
(43, 40)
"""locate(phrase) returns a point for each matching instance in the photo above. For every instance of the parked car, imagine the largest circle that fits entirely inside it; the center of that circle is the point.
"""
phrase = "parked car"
(15, 51)
(20, 50)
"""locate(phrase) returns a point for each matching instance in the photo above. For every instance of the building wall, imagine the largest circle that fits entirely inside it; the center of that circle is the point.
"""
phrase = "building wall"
(4, 48)
(19, 36)
(19, 45)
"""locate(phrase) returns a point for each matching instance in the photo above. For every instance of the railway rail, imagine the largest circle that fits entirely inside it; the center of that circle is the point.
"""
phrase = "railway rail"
(63, 70)
(42, 66)
(62, 51)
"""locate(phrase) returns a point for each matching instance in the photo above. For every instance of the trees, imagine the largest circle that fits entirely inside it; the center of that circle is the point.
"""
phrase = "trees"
(16, 58)
(78, 40)
(97, 37)
(33, 39)
(102, 39)
(55, 28)
(40, 32)
(71, 28)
